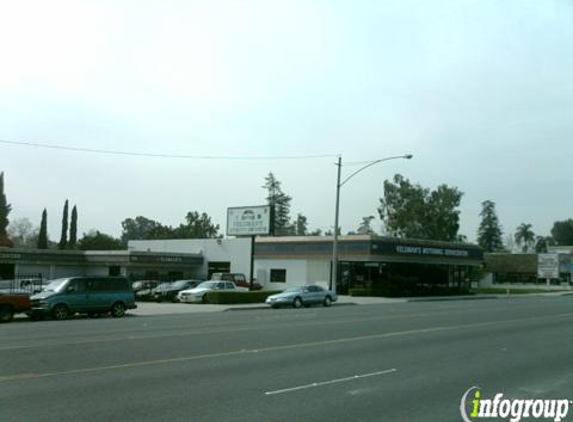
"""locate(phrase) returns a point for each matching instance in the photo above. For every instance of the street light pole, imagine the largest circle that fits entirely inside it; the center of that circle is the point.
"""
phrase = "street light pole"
(339, 184)
(334, 270)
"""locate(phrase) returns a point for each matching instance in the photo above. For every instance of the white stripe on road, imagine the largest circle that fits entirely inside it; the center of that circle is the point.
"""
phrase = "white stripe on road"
(323, 383)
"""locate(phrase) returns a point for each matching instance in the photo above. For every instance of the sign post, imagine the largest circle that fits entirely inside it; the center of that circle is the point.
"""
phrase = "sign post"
(249, 221)
(547, 266)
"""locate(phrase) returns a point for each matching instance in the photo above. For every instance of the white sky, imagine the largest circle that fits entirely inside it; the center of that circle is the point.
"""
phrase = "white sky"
(480, 91)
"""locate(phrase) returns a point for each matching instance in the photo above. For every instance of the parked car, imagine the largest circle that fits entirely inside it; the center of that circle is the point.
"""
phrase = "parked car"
(168, 291)
(12, 302)
(92, 295)
(238, 278)
(144, 289)
(302, 296)
(197, 295)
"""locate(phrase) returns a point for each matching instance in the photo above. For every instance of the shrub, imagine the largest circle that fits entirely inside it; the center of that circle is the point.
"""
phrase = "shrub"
(226, 298)
(406, 291)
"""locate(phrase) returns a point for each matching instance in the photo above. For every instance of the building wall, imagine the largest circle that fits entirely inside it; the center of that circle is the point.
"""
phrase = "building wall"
(318, 272)
(296, 272)
(23, 268)
(235, 251)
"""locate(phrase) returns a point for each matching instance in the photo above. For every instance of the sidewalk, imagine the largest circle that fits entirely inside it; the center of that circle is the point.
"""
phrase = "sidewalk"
(152, 308)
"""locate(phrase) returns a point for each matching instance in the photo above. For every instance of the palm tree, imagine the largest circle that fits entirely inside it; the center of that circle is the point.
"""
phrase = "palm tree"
(525, 237)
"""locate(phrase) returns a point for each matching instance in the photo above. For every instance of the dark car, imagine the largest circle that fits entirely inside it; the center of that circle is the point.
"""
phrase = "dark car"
(168, 291)
(144, 289)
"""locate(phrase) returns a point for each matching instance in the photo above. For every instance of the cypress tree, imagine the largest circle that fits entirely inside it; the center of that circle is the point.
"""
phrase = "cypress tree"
(64, 237)
(43, 235)
(489, 232)
(73, 229)
(5, 208)
(281, 202)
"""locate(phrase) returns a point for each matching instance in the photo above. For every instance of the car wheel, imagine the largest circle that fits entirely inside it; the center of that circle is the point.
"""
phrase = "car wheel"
(297, 302)
(117, 310)
(6, 314)
(60, 312)
(327, 301)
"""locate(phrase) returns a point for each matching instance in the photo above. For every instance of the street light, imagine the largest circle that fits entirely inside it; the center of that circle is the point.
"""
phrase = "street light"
(339, 184)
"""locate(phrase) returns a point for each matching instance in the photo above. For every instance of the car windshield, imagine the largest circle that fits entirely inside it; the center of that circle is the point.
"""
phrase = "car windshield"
(294, 289)
(207, 285)
(56, 285)
(180, 284)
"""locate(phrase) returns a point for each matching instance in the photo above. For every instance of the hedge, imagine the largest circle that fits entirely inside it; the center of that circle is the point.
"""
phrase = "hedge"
(396, 291)
(225, 298)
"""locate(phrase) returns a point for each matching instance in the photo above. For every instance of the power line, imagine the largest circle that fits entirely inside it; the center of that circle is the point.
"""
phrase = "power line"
(154, 155)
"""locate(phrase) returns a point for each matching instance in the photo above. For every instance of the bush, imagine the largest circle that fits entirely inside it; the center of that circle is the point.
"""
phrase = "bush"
(226, 298)
(407, 291)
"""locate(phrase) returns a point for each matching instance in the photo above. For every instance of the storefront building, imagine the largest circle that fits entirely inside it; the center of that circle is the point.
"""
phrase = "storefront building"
(389, 266)
(51, 264)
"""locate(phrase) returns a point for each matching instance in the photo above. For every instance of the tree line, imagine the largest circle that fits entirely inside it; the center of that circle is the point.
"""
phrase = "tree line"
(406, 210)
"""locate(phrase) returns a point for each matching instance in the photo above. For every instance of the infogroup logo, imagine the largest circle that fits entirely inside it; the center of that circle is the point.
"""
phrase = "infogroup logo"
(474, 407)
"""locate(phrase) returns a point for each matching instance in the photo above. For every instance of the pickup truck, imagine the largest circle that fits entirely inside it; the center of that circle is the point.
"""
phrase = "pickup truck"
(12, 302)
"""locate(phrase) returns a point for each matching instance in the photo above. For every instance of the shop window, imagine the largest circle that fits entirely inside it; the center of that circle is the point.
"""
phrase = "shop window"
(278, 276)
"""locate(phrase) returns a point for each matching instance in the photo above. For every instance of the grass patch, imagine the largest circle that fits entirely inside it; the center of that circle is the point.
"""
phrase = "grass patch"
(503, 291)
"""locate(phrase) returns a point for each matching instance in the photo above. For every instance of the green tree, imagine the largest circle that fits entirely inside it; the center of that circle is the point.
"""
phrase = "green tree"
(43, 235)
(562, 232)
(197, 226)
(5, 209)
(73, 229)
(525, 237)
(366, 225)
(410, 211)
(489, 231)
(542, 243)
(94, 240)
(139, 228)
(281, 202)
(300, 227)
(64, 237)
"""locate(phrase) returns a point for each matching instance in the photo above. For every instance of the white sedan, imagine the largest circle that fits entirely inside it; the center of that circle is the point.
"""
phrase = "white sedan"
(197, 294)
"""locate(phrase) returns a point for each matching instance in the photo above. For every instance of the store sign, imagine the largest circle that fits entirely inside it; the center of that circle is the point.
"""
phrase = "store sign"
(10, 256)
(548, 265)
(249, 221)
(150, 258)
(418, 250)
(427, 251)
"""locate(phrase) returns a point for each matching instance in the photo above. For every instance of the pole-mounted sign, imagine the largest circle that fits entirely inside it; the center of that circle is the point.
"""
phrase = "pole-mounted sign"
(250, 221)
(548, 266)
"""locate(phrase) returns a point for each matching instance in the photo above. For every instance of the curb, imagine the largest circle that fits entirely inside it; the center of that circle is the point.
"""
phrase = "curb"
(249, 308)
(452, 298)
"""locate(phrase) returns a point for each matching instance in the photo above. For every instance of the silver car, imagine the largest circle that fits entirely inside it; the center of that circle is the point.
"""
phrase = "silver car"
(197, 294)
(302, 296)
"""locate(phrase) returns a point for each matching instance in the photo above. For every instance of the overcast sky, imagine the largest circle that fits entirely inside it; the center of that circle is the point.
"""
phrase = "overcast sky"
(480, 91)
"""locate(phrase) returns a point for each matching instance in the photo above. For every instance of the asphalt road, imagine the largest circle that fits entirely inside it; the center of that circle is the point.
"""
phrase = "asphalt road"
(395, 362)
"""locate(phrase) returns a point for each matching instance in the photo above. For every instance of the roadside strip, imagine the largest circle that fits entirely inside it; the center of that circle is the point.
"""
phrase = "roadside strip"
(244, 352)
